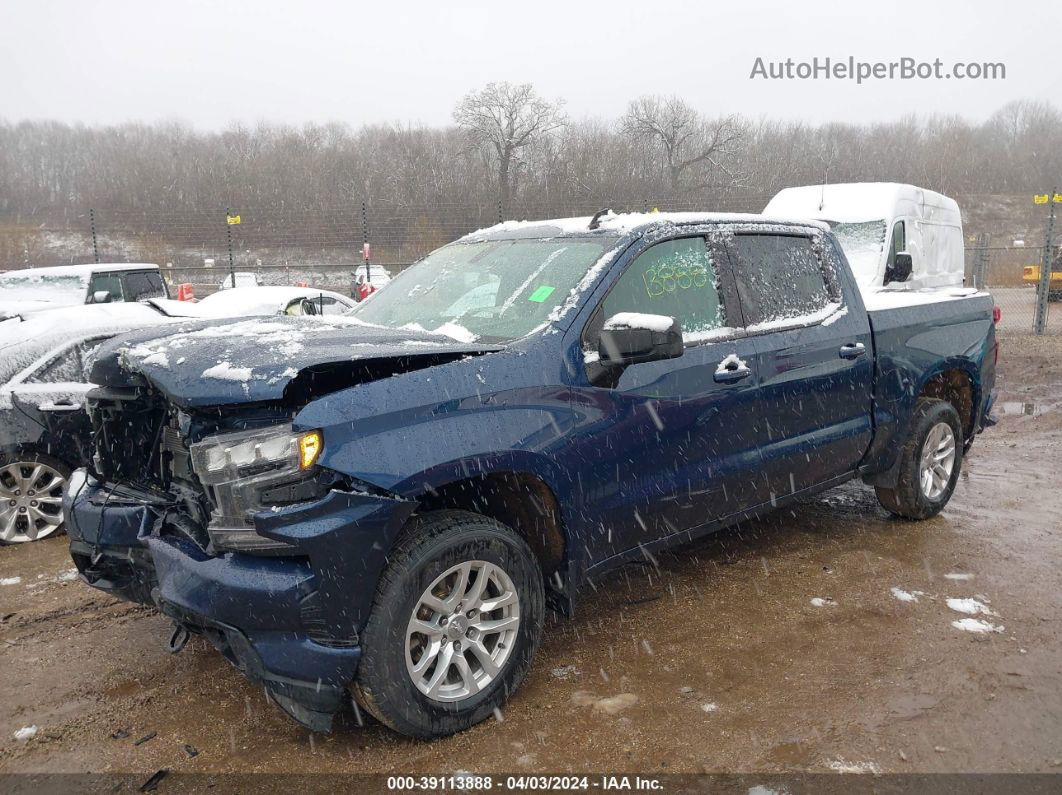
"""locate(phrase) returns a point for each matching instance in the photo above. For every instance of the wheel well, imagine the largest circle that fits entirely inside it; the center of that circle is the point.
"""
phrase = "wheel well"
(517, 499)
(954, 386)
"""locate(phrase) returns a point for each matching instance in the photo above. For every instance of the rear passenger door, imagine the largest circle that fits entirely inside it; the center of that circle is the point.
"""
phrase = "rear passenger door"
(813, 357)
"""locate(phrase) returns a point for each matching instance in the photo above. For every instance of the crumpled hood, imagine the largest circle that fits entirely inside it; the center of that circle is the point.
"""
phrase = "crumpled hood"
(223, 362)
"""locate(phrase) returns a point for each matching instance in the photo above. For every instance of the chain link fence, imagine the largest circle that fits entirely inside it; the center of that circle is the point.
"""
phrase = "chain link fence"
(322, 247)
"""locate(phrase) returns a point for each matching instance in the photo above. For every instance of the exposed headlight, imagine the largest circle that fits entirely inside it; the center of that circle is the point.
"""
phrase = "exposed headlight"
(250, 471)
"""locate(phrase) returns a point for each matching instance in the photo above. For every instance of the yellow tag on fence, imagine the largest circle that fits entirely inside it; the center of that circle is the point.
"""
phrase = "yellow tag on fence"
(1039, 198)
(235, 219)
(1057, 198)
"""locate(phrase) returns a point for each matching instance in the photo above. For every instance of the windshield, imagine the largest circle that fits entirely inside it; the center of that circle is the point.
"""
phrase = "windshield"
(491, 290)
(862, 244)
(54, 289)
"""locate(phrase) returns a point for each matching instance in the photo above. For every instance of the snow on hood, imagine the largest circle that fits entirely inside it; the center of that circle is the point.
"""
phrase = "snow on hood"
(210, 362)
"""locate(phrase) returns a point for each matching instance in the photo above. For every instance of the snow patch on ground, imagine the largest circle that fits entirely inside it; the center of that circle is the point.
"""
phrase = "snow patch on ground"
(710, 707)
(26, 733)
(958, 576)
(906, 596)
(822, 601)
(970, 607)
(10, 581)
(975, 625)
(840, 765)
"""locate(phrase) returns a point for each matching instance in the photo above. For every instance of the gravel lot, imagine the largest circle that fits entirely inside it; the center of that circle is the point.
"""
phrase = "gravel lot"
(817, 639)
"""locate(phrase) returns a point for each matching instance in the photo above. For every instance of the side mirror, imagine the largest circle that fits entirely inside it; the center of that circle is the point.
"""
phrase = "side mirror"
(101, 297)
(309, 307)
(632, 338)
(901, 268)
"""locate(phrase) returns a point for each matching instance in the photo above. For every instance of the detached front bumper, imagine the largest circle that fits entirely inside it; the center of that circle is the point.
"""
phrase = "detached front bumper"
(288, 623)
(107, 535)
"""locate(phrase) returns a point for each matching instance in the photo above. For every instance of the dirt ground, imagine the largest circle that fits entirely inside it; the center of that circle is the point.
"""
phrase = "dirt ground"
(816, 639)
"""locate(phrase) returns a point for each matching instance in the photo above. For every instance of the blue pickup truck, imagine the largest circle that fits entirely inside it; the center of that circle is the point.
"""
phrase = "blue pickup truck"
(383, 505)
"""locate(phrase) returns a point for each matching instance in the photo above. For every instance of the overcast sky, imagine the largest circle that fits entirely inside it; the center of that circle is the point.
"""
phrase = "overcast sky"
(211, 63)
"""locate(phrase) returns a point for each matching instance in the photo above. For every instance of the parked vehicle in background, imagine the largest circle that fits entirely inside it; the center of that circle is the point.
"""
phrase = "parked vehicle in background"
(886, 230)
(44, 431)
(242, 279)
(29, 290)
(376, 275)
(384, 503)
(256, 301)
(1031, 275)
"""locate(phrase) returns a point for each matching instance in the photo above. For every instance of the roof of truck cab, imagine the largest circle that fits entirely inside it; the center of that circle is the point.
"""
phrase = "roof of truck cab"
(83, 271)
(620, 224)
(855, 202)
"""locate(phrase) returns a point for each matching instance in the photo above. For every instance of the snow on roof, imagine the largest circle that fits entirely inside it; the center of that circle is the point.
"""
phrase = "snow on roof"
(81, 271)
(620, 223)
(71, 321)
(854, 202)
(23, 342)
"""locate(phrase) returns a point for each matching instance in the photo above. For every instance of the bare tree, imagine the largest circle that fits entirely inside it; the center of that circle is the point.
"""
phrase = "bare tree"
(504, 119)
(694, 148)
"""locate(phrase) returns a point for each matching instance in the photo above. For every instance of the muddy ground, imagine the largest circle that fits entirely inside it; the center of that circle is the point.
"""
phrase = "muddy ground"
(816, 639)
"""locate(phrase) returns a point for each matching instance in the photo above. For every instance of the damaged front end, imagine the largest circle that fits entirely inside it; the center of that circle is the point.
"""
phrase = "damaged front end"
(235, 532)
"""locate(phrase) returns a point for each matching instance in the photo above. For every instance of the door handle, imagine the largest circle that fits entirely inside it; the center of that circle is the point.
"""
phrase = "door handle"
(853, 350)
(59, 407)
(731, 371)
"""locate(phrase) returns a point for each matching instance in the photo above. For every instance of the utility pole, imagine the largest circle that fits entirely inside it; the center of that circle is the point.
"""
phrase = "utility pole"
(95, 243)
(365, 242)
(231, 221)
(1044, 287)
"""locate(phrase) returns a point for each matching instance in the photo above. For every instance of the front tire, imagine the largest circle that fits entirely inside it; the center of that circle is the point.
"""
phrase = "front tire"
(456, 621)
(929, 462)
(31, 496)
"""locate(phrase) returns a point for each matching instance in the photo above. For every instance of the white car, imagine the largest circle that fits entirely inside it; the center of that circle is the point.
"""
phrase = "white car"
(243, 279)
(44, 433)
(258, 301)
(380, 275)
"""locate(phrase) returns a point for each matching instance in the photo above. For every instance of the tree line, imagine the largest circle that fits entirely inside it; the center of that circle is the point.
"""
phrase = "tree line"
(512, 147)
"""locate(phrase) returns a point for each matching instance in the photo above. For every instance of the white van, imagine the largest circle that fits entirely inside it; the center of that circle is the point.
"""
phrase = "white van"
(877, 221)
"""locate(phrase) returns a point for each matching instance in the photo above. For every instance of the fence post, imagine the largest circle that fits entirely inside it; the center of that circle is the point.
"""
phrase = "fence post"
(1044, 287)
(95, 243)
(981, 263)
(228, 233)
(365, 244)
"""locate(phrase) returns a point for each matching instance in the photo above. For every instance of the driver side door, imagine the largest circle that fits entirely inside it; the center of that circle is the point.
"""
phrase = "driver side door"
(665, 446)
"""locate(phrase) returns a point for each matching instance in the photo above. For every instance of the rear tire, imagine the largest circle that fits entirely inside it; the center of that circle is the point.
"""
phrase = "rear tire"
(434, 663)
(31, 494)
(929, 462)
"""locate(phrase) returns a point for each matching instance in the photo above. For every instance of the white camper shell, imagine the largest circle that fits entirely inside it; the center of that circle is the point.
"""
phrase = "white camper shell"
(875, 221)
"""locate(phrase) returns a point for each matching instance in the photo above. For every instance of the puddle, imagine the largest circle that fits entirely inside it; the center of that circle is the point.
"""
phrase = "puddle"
(1013, 408)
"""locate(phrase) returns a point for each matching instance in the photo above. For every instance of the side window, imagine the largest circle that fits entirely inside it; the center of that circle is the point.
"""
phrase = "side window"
(779, 278)
(140, 286)
(676, 278)
(63, 369)
(108, 282)
(331, 306)
(899, 242)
